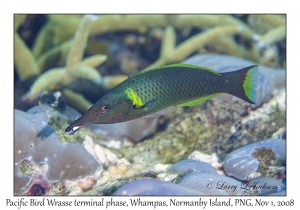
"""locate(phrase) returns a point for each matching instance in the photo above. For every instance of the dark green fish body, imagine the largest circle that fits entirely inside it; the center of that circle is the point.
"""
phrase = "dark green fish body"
(155, 89)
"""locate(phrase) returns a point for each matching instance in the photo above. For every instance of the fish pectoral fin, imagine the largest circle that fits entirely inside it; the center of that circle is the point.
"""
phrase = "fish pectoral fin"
(147, 105)
(198, 100)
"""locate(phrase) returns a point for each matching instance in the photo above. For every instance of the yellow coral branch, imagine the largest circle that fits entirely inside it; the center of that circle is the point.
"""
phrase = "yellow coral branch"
(107, 23)
(273, 35)
(94, 60)
(59, 77)
(18, 19)
(60, 51)
(50, 80)
(274, 20)
(196, 42)
(24, 60)
(168, 41)
(182, 21)
(76, 100)
(61, 27)
(39, 43)
(80, 39)
(227, 45)
(86, 72)
(111, 81)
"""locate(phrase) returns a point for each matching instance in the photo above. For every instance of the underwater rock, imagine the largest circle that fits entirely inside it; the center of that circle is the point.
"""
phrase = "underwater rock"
(103, 155)
(269, 78)
(37, 142)
(142, 128)
(54, 106)
(21, 183)
(208, 128)
(154, 187)
(60, 118)
(39, 188)
(211, 184)
(211, 159)
(241, 162)
(135, 130)
(282, 192)
(186, 166)
(265, 185)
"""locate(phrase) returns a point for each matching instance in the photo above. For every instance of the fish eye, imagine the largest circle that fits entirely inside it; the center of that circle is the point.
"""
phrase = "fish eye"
(104, 109)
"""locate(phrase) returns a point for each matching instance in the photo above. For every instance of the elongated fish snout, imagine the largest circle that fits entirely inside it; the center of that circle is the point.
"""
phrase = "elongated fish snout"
(72, 130)
(84, 120)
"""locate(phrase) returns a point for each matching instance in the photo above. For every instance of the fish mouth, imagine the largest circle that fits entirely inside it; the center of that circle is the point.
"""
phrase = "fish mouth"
(72, 129)
(82, 121)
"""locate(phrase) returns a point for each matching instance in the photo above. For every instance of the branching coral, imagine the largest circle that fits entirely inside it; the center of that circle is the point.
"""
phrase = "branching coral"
(74, 69)
(67, 52)
(24, 60)
(192, 44)
(111, 81)
(273, 20)
(77, 100)
(18, 19)
(272, 36)
(218, 34)
(59, 52)
(62, 27)
(80, 39)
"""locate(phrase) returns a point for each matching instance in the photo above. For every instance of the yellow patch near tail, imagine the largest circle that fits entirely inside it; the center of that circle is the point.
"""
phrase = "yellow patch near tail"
(134, 97)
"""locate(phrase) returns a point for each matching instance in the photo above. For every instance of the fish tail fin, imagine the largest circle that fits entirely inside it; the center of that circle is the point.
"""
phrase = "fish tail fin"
(247, 82)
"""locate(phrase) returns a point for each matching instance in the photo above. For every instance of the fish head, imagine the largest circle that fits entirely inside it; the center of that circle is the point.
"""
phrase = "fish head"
(112, 110)
(106, 110)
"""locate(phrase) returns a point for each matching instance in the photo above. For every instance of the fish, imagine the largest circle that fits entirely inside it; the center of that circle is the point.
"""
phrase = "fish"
(152, 90)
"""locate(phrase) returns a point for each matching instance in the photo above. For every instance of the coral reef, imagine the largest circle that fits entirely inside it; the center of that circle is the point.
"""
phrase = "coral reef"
(73, 60)
(205, 128)
(57, 78)
(192, 44)
(244, 37)
(24, 60)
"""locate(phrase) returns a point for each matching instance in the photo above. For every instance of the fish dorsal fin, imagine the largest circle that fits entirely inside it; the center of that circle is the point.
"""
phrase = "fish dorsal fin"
(198, 100)
(133, 72)
(183, 66)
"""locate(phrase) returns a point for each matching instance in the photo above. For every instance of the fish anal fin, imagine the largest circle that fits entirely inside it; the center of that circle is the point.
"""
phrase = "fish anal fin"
(133, 72)
(199, 100)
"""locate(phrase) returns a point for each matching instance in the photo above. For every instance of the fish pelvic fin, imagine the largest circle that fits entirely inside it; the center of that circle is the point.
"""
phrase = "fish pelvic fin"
(246, 83)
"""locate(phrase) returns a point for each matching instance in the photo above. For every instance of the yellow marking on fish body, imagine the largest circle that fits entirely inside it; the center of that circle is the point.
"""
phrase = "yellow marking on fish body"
(134, 97)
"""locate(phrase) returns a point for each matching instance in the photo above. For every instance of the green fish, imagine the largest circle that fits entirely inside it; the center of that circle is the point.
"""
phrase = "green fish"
(149, 91)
